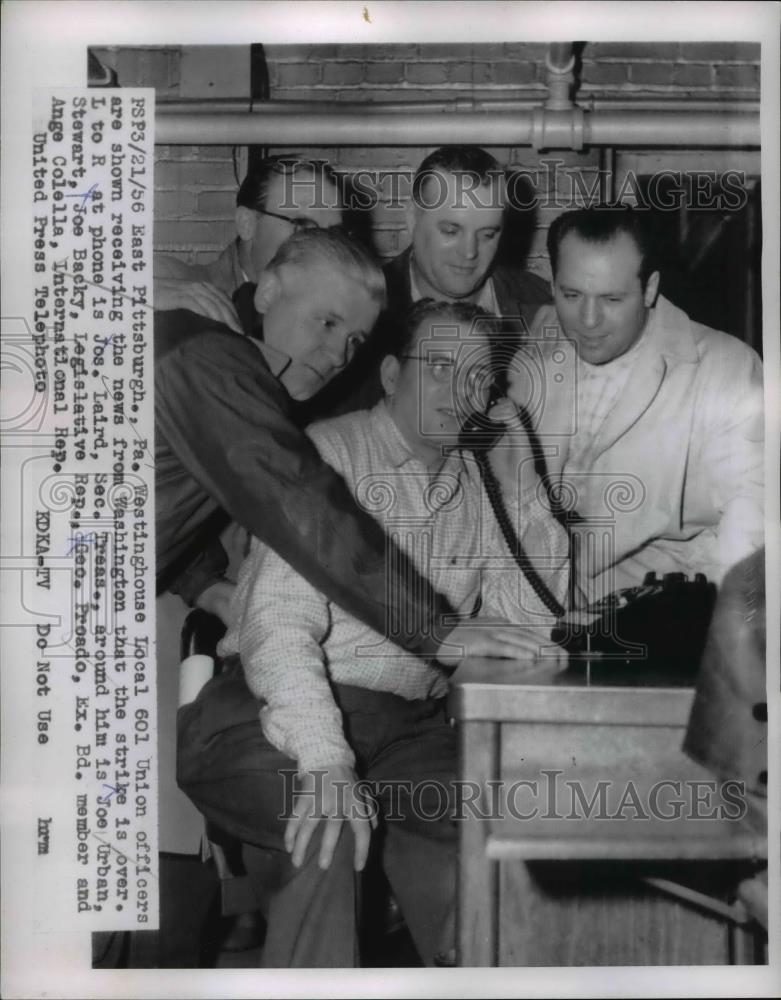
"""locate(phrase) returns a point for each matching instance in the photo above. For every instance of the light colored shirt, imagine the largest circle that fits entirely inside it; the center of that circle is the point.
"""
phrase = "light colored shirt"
(226, 271)
(598, 389)
(293, 642)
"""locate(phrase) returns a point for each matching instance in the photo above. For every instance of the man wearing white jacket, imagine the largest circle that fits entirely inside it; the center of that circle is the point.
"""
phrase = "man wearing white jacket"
(650, 424)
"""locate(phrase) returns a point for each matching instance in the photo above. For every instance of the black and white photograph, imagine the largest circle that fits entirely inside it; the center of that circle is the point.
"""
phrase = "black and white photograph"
(390, 571)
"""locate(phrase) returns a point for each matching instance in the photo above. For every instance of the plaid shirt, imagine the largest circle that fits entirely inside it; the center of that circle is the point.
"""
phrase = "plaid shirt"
(292, 640)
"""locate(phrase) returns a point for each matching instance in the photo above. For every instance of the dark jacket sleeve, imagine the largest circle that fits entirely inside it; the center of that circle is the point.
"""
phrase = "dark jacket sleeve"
(207, 568)
(226, 418)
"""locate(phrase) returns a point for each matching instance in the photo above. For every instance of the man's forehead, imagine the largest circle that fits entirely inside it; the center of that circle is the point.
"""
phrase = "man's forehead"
(320, 279)
(620, 246)
(461, 191)
(450, 334)
(620, 257)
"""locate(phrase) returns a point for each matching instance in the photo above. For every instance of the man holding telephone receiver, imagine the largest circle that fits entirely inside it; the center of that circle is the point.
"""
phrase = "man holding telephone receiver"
(345, 706)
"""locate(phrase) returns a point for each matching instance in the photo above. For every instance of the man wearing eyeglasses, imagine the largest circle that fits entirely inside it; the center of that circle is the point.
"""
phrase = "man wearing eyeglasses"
(226, 444)
(345, 706)
(281, 197)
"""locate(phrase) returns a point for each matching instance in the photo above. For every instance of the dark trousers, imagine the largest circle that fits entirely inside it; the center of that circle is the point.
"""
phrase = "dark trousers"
(405, 750)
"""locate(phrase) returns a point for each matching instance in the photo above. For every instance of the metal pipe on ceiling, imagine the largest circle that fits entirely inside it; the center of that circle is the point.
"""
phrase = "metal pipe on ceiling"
(556, 124)
(539, 127)
(672, 128)
(589, 102)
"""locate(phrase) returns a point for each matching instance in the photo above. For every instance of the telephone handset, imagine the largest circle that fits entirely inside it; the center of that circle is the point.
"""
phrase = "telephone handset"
(479, 434)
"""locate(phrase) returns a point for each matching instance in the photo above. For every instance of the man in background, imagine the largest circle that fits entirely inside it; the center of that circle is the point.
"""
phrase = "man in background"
(282, 196)
(455, 220)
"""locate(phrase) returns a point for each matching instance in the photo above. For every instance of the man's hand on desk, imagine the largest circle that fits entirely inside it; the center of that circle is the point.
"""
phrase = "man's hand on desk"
(497, 637)
(216, 599)
(329, 795)
(197, 296)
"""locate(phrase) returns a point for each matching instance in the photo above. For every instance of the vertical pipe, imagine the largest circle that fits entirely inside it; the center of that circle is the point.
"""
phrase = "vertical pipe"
(260, 89)
(607, 174)
(560, 63)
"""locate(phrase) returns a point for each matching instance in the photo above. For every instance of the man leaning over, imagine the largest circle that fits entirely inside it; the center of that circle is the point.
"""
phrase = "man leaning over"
(227, 448)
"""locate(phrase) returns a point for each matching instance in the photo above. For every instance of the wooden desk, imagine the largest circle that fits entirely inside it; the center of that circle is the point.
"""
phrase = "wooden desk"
(563, 887)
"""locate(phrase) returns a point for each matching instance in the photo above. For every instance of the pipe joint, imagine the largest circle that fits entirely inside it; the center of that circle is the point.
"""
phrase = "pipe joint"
(578, 128)
(537, 134)
(465, 104)
(557, 129)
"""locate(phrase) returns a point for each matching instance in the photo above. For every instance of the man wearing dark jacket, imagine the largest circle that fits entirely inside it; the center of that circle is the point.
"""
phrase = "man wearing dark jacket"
(227, 446)
(455, 219)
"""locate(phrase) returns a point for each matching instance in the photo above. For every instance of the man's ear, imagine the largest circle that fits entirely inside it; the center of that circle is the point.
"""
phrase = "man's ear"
(246, 222)
(267, 291)
(389, 373)
(651, 290)
(410, 215)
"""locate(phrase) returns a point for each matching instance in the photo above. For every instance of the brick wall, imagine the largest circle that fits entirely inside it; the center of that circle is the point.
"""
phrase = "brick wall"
(195, 185)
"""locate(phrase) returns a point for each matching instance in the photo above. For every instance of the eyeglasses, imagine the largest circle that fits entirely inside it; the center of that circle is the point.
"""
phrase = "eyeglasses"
(477, 379)
(298, 224)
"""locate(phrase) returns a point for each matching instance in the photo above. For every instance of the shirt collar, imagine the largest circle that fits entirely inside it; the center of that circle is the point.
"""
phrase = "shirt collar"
(385, 432)
(486, 299)
(238, 270)
(398, 452)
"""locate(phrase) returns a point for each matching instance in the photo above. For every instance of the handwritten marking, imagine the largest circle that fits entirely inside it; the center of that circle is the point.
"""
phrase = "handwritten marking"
(79, 539)
(85, 197)
(112, 791)
(366, 17)
(116, 850)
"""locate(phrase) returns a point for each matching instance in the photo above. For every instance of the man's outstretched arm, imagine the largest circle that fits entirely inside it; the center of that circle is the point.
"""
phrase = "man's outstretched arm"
(226, 418)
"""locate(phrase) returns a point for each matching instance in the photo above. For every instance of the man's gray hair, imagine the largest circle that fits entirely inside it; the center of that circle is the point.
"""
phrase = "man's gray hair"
(335, 249)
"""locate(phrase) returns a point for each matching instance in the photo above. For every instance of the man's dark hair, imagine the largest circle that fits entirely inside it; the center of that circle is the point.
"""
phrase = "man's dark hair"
(470, 160)
(453, 312)
(253, 192)
(600, 224)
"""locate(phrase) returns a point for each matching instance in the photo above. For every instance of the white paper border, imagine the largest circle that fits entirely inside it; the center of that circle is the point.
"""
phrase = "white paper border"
(45, 43)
